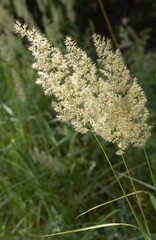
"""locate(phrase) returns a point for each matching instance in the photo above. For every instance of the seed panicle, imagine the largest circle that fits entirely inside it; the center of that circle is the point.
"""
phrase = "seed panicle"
(103, 95)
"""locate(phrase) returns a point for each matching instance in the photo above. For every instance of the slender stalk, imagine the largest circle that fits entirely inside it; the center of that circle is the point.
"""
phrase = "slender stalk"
(108, 23)
(111, 166)
(134, 189)
(150, 169)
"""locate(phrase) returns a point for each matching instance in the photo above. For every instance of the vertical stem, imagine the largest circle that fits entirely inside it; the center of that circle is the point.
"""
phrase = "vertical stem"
(108, 23)
(134, 189)
(150, 169)
(111, 166)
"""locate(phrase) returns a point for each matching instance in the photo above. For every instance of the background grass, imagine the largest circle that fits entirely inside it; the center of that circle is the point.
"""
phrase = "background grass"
(49, 174)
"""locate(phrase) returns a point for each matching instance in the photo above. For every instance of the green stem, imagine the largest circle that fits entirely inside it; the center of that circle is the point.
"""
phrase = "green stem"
(111, 166)
(150, 169)
(134, 189)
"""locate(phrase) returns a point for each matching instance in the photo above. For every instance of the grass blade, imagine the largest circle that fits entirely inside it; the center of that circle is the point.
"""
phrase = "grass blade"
(111, 201)
(92, 228)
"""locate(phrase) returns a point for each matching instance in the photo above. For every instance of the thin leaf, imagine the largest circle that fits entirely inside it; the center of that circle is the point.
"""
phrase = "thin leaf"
(141, 182)
(153, 200)
(92, 228)
(111, 201)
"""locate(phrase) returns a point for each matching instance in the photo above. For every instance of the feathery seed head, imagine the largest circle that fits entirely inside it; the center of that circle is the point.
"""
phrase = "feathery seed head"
(102, 96)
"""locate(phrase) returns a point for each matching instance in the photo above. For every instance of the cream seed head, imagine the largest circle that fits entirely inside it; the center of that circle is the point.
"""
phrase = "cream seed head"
(102, 96)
